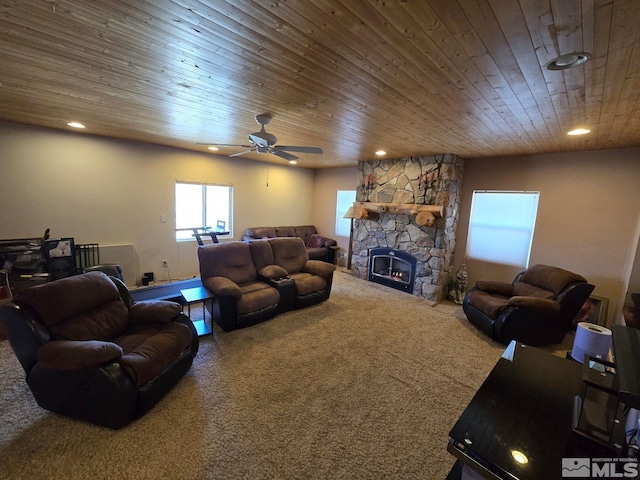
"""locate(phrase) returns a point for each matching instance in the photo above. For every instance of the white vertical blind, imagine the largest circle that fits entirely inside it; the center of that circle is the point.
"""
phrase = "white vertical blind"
(501, 226)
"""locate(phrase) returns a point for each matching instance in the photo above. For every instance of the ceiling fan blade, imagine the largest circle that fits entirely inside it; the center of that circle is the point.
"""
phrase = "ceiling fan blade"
(283, 154)
(293, 148)
(260, 141)
(242, 153)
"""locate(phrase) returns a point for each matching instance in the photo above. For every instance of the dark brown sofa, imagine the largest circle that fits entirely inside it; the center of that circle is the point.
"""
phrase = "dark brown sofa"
(92, 354)
(537, 308)
(318, 247)
(252, 282)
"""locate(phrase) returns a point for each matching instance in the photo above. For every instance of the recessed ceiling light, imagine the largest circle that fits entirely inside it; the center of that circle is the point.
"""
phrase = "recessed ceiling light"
(292, 162)
(213, 149)
(579, 131)
(76, 125)
(569, 60)
(381, 152)
(519, 457)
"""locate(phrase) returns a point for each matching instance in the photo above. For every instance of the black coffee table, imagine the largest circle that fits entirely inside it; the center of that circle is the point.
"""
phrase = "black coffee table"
(519, 423)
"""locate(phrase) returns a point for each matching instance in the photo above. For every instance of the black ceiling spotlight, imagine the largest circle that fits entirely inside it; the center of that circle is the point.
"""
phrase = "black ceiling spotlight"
(568, 60)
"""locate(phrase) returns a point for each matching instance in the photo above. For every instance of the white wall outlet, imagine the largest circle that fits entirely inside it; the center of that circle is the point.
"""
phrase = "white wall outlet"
(165, 264)
(163, 219)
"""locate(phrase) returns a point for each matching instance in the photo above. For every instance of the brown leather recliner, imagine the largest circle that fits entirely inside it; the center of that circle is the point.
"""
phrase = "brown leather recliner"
(92, 354)
(537, 308)
(287, 258)
(252, 282)
(240, 297)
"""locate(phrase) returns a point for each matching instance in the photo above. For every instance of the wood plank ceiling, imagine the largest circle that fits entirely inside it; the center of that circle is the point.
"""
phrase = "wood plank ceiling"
(412, 77)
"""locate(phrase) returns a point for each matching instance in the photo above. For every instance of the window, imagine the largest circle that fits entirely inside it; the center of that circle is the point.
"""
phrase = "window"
(200, 205)
(345, 200)
(501, 227)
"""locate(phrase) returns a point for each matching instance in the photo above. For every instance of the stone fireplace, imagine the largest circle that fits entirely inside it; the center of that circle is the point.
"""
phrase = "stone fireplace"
(434, 180)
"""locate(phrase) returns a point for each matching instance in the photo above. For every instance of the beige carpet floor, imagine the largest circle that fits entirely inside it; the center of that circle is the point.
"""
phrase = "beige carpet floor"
(363, 386)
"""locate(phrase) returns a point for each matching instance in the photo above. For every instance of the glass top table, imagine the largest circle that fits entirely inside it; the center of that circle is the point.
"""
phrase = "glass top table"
(519, 423)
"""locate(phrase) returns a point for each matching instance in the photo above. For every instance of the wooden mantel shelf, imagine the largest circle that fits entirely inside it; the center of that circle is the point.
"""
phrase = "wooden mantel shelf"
(425, 214)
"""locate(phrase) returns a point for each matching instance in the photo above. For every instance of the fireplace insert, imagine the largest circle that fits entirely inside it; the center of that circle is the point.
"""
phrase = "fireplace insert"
(393, 268)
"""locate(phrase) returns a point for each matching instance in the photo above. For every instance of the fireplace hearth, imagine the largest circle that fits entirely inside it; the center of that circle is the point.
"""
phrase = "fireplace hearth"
(393, 268)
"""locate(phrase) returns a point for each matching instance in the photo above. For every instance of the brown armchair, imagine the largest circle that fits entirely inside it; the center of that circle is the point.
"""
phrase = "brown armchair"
(538, 308)
(92, 354)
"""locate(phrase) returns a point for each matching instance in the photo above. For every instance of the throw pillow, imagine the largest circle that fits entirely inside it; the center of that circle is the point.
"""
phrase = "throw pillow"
(315, 241)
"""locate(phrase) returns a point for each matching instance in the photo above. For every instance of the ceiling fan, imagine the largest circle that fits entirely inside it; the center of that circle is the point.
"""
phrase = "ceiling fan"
(264, 142)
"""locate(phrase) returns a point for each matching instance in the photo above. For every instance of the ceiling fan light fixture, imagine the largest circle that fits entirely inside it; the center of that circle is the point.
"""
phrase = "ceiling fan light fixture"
(264, 142)
(579, 131)
(568, 60)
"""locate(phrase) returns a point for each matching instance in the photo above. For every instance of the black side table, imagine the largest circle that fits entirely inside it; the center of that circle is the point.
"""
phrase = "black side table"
(197, 295)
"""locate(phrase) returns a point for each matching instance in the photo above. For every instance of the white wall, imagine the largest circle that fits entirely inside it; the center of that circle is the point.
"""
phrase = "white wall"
(111, 192)
(325, 193)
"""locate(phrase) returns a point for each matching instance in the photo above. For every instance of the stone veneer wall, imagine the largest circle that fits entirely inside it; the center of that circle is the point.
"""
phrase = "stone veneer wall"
(396, 181)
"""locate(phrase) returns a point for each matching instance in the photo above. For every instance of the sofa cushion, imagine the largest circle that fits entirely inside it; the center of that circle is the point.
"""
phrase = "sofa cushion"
(289, 253)
(523, 289)
(103, 323)
(285, 232)
(231, 260)
(155, 348)
(257, 296)
(261, 232)
(154, 311)
(550, 278)
(136, 335)
(261, 253)
(308, 283)
(56, 302)
(493, 286)
(305, 232)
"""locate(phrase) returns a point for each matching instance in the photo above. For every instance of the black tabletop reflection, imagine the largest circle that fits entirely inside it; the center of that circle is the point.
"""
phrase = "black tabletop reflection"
(520, 419)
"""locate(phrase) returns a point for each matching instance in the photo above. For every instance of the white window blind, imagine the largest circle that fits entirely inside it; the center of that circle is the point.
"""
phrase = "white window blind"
(501, 226)
(344, 201)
